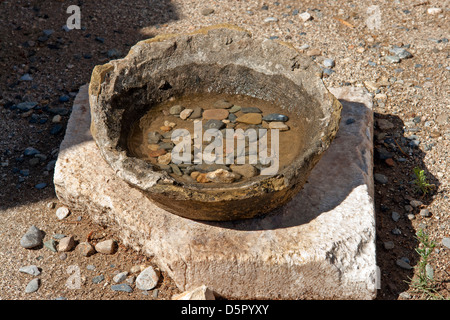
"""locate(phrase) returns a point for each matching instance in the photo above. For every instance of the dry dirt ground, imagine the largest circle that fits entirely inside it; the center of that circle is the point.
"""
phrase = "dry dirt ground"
(412, 95)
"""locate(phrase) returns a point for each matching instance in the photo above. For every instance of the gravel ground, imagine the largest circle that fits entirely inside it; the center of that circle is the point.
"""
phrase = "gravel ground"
(44, 64)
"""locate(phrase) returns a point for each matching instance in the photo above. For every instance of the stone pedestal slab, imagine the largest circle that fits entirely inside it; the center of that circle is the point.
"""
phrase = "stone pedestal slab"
(321, 245)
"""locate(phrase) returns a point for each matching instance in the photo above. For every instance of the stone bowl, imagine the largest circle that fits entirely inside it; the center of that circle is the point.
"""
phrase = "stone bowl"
(220, 59)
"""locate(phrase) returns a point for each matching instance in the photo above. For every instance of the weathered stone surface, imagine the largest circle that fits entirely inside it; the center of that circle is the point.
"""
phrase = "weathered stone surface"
(320, 245)
(200, 293)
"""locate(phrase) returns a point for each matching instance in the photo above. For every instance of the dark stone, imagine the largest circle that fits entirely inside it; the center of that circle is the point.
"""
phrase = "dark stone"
(251, 110)
(275, 117)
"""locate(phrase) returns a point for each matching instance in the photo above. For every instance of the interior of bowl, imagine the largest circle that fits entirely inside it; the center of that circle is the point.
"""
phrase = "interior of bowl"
(230, 79)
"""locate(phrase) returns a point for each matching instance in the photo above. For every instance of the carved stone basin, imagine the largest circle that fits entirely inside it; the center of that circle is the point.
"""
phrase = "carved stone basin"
(225, 60)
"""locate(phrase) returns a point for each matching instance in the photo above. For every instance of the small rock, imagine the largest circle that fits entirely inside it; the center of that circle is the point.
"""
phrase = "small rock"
(403, 264)
(26, 77)
(85, 249)
(106, 247)
(165, 159)
(66, 244)
(275, 117)
(32, 270)
(113, 53)
(328, 63)
(313, 52)
(32, 238)
(401, 53)
(279, 126)
(270, 19)
(213, 124)
(305, 16)
(415, 203)
(434, 11)
(215, 114)
(51, 245)
(235, 109)
(200, 293)
(33, 285)
(222, 176)
(122, 287)
(199, 177)
(30, 151)
(165, 128)
(396, 232)
(446, 242)
(56, 129)
(207, 11)
(147, 279)
(27, 106)
(196, 113)
(176, 109)
(56, 119)
(388, 245)
(381, 178)
(98, 279)
(63, 98)
(245, 170)
(62, 212)
(392, 59)
(429, 271)
(222, 104)
(153, 137)
(250, 118)
(425, 213)
(251, 110)
(185, 113)
(395, 216)
(120, 277)
(411, 216)
(157, 153)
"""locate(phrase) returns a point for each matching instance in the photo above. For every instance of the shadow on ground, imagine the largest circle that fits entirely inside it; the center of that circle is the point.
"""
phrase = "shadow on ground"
(55, 62)
(396, 236)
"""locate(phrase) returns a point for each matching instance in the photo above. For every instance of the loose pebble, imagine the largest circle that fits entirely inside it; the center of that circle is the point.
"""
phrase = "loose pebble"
(62, 212)
(31, 270)
(185, 113)
(380, 178)
(33, 285)
(66, 244)
(106, 246)
(176, 110)
(222, 104)
(305, 16)
(147, 279)
(279, 126)
(250, 118)
(403, 264)
(85, 249)
(123, 287)
(215, 114)
(120, 277)
(50, 245)
(32, 238)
